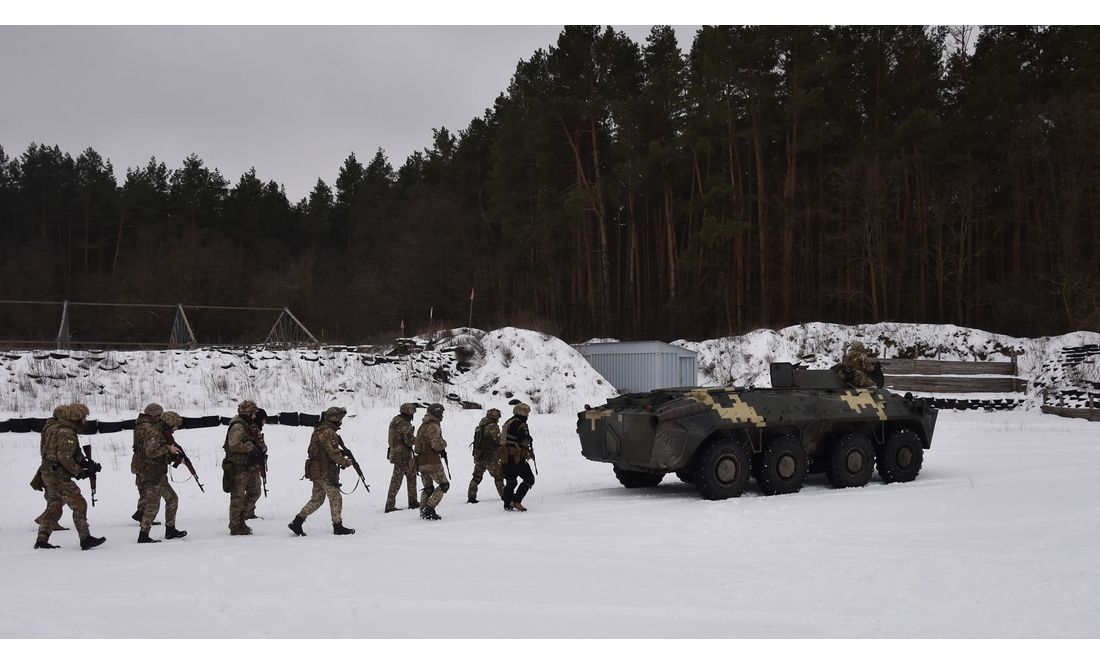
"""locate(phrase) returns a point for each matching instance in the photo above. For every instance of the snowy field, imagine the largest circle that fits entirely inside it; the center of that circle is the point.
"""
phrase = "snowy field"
(997, 538)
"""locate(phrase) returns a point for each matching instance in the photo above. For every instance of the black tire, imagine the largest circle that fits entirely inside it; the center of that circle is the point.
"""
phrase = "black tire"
(722, 470)
(636, 479)
(785, 466)
(852, 461)
(900, 458)
(685, 476)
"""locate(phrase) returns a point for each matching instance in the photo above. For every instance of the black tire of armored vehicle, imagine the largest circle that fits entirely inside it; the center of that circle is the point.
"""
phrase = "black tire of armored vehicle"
(851, 462)
(636, 479)
(721, 470)
(685, 476)
(900, 458)
(785, 465)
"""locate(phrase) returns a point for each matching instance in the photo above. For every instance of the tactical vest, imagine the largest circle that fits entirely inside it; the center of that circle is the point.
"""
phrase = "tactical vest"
(317, 459)
(481, 441)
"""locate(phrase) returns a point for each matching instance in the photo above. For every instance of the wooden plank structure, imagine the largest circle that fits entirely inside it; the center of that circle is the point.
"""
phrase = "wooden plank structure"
(951, 376)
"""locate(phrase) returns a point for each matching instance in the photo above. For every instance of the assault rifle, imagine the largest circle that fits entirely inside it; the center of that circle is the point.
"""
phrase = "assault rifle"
(354, 464)
(255, 434)
(443, 456)
(184, 459)
(91, 469)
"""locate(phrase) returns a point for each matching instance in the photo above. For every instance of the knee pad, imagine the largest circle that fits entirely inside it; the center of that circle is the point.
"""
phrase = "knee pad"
(443, 487)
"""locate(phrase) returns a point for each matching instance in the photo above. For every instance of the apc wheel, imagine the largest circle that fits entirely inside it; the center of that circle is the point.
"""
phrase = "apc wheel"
(785, 466)
(900, 458)
(721, 470)
(684, 476)
(852, 461)
(635, 479)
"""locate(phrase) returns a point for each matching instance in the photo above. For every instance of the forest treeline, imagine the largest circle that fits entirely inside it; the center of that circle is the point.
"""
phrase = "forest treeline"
(771, 176)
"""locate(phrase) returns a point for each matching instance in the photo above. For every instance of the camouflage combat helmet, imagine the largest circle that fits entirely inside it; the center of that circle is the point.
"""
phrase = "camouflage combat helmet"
(334, 414)
(247, 408)
(408, 408)
(857, 347)
(436, 409)
(171, 419)
(521, 409)
(73, 413)
(153, 410)
(493, 413)
(59, 411)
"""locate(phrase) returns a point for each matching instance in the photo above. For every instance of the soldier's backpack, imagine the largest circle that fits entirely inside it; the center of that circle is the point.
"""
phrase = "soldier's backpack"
(482, 442)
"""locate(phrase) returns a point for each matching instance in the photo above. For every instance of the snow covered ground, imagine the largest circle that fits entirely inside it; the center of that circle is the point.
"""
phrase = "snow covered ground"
(997, 537)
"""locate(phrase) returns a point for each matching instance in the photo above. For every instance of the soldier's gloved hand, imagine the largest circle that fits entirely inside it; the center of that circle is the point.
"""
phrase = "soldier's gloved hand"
(94, 468)
(443, 454)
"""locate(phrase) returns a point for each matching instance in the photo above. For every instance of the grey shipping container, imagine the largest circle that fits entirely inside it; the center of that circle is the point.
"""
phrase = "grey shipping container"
(641, 366)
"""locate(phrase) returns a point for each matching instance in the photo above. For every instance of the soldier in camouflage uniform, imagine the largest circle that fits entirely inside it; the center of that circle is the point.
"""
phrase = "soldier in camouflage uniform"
(51, 423)
(856, 368)
(400, 454)
(323, 467)
(62, 461)
(157, 452)
(430, 453)
(147, 422)
(486, 448)
(517, 448)
(245, 456)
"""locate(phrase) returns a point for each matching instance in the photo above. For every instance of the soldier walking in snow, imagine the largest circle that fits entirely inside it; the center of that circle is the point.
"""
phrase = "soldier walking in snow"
(37, 482)
(517, 448)
(144, 428)
(400, 454)
(486, 450)
(62, 461)
(245, 456)
(157, 452)
(430, 453)
(323, 465)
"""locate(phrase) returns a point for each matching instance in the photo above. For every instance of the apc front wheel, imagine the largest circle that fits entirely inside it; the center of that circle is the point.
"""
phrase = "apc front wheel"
(900, 458)
(785, 466)
(851, 462)
(721, 470)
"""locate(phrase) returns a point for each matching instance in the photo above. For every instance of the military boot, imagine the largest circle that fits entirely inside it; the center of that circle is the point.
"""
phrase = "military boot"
(171, 532)
(392, 509)
(90, 541)
(471, 500)
(518, 506)
(241, 530)
(44, 545)
(143, 537)
(428, 513)
(339, 529)
(413, 505)
(138, 515)
(296, 525)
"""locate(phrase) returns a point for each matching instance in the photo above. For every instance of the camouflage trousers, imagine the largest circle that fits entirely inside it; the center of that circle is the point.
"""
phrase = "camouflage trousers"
(152, 491)
(430, 475)
(140, 489)
(513, 472)
(243, 496)
(486, 461)
(61, 490)
(322, 489)
(401, 470)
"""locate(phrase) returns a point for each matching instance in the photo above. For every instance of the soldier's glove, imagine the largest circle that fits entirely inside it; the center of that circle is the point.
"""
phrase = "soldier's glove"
(257, 456)
(95, 468)
(443, 455)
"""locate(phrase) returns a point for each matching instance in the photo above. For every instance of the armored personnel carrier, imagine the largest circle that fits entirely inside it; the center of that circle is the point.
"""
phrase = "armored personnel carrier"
(717, 438)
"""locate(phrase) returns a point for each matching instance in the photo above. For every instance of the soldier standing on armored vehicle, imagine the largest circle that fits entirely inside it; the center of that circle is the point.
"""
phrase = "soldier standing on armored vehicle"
(245, 455)
(62, 461)
(147, 421)
(517, 448)
(157, 452)
(323, 465)
(856, 368)
(486, 449)
(430, 453)
(400, 453)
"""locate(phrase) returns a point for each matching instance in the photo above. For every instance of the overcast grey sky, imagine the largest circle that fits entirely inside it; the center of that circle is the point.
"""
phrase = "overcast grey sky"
(293, 102)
